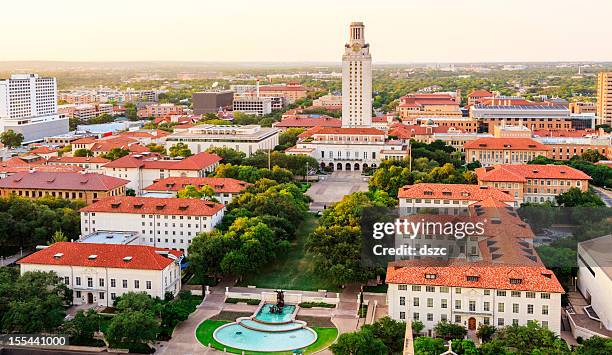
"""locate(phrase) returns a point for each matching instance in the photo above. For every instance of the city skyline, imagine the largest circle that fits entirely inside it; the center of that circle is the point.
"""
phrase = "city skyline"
(456, 32)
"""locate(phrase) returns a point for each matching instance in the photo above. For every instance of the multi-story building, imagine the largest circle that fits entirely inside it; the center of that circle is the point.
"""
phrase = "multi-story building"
(349, 148)
(532, 182)
(531, 115)
(88, 187)
(491, 151)
(328, 102)
(226, 189)
(212, 101)
(582, 121)
(160, 110)
(478, 95)
(511, 131)
(142, 170)
(289, 92)
(253, 105)
(247, 139)
(447, 197)
(28, 105)
(162, 222)
(307, 121)
(564, 148)
(472, 294)
(582, 107)
(357, 79)
(604, 98)
(593, 316)
(413, 106)
(99, 273)
(463, 124)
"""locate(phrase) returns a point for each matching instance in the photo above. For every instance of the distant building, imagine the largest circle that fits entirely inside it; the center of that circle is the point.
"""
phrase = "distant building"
(491, 151)
(88, 164)
(226, 189)
(253, 105)
(356, 79)
(160, 110)
(510, 131)
(88, 187)
(583, 121)
(413, 106)
(99, 273)
(531, 116)
(328, 102)
(247, 139)
(604, 98)
(564, 148)
(28, 105)
(211, 101)
(532, 182)
(582, 107)
(477, 95)
(307, 121)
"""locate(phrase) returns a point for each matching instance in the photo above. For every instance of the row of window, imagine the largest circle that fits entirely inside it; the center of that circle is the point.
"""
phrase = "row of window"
(486, 306)
(459, 319)
(101, 282)
(487, 292)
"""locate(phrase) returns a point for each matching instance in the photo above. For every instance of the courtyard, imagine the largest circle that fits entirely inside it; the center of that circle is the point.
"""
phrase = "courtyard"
(332, 188)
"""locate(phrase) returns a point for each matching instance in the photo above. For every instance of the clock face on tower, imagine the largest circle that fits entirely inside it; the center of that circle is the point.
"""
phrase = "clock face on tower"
(356, 47)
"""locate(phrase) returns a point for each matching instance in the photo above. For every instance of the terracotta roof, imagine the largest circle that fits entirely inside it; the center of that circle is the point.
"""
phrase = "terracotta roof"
(505, 143)
(453, 192)
(85, 140)
(107, 255)
(403, 131)
(43, 168)
(76, 160)
(521, 172)
(61, 181)
(282, 88)
(309, 121)
(489, 276)
(220, 185)
(154, 205)
(198, 161)
(559, 133)
(351, 130)
(42, 150)
(480, 93)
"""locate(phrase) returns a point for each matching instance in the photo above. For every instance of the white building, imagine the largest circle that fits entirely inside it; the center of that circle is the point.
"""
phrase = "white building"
(28, 105)
(349, 148)
(247, 139)
(472, 294)
(142, 170)
(162, 222)
(226, 189)
(357, 80)
(253, 105)
(99, 273)
(595, 285)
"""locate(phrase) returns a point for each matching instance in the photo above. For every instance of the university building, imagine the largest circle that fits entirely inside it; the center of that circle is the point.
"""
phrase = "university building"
(492, 151)
(226, 189)
(99, 273)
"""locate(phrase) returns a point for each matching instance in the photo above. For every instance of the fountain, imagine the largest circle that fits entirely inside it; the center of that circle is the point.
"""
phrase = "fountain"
(280, 303)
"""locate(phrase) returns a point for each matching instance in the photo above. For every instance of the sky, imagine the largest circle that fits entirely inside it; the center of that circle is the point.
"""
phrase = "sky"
(399, 31)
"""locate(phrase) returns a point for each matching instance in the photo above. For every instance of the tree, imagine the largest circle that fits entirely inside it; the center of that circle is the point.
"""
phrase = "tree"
(485, 332)
(130, 192)
(82, 327)
(103, 118)
(595, 346)
(191, 191)
(450, 330)
(464, 347)
(525, 339)
(134, 301)
(592, 156)
(130, 111)
(390, 332)
(473, 165)
(358, 343)
(11, 139)
(575, 197)
(417, 327)
(157, 148)
(82, 152)
(57, 237)
(429, 346)
(116, 153)
(229, 155)
(180, 150)
(135, 327)
(288, 138)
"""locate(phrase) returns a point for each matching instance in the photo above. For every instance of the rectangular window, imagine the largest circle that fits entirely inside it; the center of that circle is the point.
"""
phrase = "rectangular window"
(430, 289)
(501, 293)
(415, 302)
(545, 296)
(430, 302)
(443, 303)
(416, 288)
(415, 316)
(402, 315)
(113, 296)
(101, 282)
(530, 294)
(457, 304)
(148, 285)
(458, 291)
(457, 319)
(444, 289)
(515, 294)
(78, 281)
(402, 287)
(500, 307)
(500, 322)
(472, 306)
(101, 295)
(136, 284)
(487, 292)
(544, 309)
(515, 308)
(124, 283)
(515, 322)
(529, 309)
(402, 301)
(113, 283)
(486, 306)
(78, 294)
(430, 317)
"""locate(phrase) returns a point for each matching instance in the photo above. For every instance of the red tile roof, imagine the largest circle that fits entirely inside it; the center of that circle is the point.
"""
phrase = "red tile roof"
(522, 172)
(351, 130)
(548, 133)
(199, 161)
(490, 276)
(61, 181)
(220, 185)
(154, 205)
(453, 192)
(282, 88)
(107, 255)
(404, 131)
(42, 150)
(76, 160)
(309, 121)
(505, 144)
(480, 93)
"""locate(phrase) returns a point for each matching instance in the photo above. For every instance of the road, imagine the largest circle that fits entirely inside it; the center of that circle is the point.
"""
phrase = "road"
(605, 195)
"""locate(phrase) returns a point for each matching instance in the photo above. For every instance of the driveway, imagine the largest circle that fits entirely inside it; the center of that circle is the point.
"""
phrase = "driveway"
(605, 195)
(331, 188)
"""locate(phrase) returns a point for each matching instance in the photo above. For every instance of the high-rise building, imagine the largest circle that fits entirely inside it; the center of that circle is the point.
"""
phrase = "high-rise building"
(604, 98)
(357, 80)
(28, 105)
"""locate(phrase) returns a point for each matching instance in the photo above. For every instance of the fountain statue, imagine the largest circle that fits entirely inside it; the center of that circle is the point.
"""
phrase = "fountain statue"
(280, 303)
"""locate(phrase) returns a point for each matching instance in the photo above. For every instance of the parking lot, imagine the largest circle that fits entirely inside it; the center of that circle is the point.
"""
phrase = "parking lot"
(331, 188)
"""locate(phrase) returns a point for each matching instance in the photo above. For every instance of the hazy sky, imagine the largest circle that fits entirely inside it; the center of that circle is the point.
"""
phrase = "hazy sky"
(305, 30)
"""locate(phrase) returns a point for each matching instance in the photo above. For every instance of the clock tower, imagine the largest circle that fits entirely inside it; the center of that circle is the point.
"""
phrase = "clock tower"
(356, 79)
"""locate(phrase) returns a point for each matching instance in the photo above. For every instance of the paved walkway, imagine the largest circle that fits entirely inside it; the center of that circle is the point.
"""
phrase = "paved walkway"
(345, 315)
(605, 195)
(332, 188)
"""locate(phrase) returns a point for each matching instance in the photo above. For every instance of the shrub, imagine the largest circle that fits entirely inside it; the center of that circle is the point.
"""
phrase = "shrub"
(316, 304)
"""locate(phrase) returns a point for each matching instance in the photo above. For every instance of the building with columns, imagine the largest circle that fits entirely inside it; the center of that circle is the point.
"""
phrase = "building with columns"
(357, 79)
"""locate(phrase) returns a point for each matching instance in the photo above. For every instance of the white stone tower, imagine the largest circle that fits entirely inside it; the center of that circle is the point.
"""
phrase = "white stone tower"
(357, 80)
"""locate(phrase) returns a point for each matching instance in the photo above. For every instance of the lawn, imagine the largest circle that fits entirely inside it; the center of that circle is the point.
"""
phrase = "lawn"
(294, 271)
(204, 334)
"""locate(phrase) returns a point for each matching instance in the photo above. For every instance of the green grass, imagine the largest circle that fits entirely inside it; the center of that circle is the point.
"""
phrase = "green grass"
(295, 271)
(204, 334)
